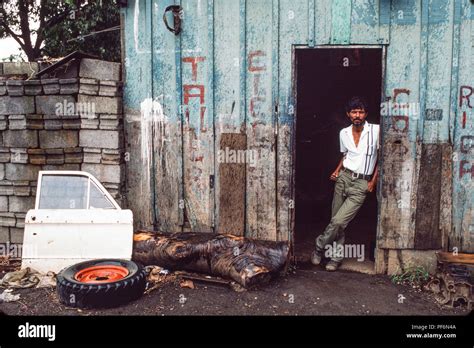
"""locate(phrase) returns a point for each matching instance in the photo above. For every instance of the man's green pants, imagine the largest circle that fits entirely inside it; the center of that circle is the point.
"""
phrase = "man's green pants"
(349, 195)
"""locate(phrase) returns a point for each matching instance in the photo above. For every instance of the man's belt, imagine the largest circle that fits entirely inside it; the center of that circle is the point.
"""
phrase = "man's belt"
(355, 175)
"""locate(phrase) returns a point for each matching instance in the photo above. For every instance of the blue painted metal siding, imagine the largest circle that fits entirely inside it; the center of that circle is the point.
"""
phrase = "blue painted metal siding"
(231, 71)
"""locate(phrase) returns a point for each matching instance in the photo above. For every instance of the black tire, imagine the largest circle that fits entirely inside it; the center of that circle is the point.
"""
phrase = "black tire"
(73, 293)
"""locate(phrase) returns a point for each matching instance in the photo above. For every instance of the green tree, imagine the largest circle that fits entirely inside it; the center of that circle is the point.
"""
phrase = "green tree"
(56, 28)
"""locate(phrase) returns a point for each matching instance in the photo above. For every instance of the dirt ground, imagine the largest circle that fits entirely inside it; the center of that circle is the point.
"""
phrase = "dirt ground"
(308, 290)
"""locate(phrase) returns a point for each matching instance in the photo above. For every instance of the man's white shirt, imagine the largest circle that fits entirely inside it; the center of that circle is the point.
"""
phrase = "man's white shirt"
(361, 158)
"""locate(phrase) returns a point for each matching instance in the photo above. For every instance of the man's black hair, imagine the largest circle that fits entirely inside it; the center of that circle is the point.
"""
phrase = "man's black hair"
(356, 103)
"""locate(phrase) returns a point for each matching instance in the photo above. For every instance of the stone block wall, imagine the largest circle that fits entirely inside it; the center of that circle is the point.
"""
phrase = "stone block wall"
(57, 123)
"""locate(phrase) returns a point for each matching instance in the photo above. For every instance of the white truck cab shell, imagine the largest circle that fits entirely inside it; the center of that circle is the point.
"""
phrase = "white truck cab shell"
(75, 219)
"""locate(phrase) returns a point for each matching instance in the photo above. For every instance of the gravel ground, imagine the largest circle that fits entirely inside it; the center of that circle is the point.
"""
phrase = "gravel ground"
(308, 290)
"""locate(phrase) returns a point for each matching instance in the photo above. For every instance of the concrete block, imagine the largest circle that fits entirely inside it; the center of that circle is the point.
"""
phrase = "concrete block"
(35, 151)
(17, 122)
(4, 203)
(55, 159)
(104, 173)
(54, 151)
(20, 221)
(87, 123)
(4, 234)
(66, 166)
(1, 68)
(7, 220)
(53, 124)
(55, 105)
(17, 105)
(92, 150)
(19, 68)
(110, 91)
(16, 235)
(34, 122)
(4, 154)
(111, 186)
(73, 158)
(99, 139)
(101, 105)
(99, 69)
(69, 86)
(33, 87)
(22, 191)
(3, 88)
(20, 138)
(18, 155)
(6, 190)
(109, 124)
(72, 123)
(20, 204)
(110, 116)
(2, 171)
(58, 139)
(21, 172)
(15, 87)
(3, 123)
(73, 150)
(88, 86)
(37, 159)
(50, 86)
(111, 156)
(110, 159)
(92, 157)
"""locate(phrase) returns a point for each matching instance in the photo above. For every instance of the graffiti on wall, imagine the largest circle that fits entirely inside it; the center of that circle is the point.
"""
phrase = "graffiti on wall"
(466, 102)
(195, 90)
(256, 68)
(400, 111)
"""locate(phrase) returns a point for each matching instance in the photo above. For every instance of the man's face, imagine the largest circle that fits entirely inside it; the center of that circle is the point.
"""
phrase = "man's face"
(357, 116)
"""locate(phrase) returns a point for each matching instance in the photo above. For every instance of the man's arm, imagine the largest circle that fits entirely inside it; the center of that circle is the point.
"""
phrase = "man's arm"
(335, 174)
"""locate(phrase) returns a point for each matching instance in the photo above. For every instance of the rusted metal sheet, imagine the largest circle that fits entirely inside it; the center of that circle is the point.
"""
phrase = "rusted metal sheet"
(231, 71)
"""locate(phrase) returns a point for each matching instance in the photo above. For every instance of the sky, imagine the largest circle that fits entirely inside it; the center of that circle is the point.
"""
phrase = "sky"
(8, 46)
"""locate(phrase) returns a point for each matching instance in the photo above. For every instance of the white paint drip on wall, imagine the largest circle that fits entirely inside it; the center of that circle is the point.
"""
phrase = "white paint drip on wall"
(152, 130)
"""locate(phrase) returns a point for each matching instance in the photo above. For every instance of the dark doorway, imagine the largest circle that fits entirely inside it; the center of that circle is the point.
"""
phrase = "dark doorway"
(326, 79)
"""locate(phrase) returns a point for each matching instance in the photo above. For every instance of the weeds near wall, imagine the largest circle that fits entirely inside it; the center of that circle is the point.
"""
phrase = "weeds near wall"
(414, 276)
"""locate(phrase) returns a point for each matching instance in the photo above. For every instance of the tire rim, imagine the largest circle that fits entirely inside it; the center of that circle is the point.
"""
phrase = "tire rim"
(101, 274)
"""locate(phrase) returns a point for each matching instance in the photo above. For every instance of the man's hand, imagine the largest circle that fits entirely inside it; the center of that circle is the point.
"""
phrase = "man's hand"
(371, 185)
(334, 175)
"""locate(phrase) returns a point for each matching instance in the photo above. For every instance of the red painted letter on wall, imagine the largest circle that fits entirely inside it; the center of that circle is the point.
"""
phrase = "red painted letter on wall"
(465, 96)
(188, 94)
(194, 64)
(251, 62)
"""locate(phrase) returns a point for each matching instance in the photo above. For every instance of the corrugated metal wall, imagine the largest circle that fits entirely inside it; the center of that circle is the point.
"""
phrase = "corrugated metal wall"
(227, 81)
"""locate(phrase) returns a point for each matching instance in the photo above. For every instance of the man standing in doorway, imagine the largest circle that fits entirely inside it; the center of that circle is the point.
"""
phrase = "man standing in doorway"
(355, 176)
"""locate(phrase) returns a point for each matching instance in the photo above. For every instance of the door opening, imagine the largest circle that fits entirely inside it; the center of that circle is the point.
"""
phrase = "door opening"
(326, 79)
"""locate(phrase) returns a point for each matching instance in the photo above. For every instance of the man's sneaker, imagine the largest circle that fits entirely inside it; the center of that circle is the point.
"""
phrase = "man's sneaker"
(316, 257)
(332, 266)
